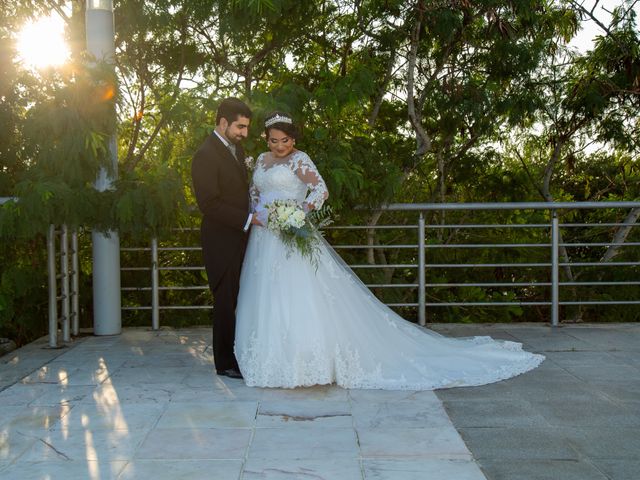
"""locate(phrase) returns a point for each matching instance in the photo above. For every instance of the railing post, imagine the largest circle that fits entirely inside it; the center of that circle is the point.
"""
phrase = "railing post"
(64, 283)
(422, 313)
(555, 268)
(75, 282)
(155, 294)
(53, 289)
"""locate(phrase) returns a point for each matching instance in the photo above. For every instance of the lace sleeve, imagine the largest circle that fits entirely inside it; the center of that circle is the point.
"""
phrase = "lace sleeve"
(254, 193)
(306, 171)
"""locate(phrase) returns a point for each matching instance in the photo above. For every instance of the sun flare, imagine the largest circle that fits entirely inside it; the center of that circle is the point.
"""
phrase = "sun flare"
(41, 43)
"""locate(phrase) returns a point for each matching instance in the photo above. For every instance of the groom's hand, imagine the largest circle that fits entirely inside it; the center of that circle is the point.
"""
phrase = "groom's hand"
(255, 220)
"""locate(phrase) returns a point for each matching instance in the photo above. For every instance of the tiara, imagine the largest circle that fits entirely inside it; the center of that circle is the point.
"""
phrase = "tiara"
(277, 119)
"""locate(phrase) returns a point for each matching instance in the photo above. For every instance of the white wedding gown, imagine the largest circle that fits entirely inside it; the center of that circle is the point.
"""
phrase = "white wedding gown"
(298, 327)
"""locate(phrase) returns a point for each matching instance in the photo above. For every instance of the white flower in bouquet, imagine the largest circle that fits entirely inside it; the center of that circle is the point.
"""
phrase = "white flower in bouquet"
(296, 219)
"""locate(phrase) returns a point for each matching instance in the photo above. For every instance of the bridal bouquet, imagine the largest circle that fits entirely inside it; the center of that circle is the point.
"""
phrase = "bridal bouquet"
(297, 229)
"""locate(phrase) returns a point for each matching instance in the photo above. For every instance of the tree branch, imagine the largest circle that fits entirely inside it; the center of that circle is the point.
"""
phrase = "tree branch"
(163, 118)
(52, 4)
(528, 172)
(422, 137)
(137, 125)
(621, 235)
(383, 88)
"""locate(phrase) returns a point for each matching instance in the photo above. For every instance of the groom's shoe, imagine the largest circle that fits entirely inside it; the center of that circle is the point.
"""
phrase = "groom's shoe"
(231, 373)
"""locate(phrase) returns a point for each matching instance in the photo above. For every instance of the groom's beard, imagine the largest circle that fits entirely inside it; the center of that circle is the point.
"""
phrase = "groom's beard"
(235, 139)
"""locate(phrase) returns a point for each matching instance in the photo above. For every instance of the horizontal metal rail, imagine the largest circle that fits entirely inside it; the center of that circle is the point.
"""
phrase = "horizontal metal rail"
(373, 227)
(602, 302)
(464, 226)
(490, 284)
(187, 268)
(391, 265)
(601, 244)
(177, 287)
(486, 304)
(525, 284)
(487, 265)
(170, 307)
(595, 225)
(425, 207)
(502, 304)
(339, 247)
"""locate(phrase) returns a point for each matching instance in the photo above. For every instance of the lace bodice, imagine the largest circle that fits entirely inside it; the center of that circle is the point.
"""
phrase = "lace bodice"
(293, 177)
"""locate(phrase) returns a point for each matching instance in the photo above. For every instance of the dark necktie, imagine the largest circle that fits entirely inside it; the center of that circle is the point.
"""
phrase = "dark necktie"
(232, 149)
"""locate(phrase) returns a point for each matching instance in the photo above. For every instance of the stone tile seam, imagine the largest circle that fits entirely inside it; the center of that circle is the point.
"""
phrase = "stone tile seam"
(62, 351)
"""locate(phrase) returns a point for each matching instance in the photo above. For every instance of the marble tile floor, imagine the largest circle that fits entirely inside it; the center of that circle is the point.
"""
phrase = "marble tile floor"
(147, 405)
(576, 417)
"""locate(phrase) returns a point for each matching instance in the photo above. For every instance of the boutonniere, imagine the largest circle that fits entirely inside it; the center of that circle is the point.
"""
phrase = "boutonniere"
(249, 163)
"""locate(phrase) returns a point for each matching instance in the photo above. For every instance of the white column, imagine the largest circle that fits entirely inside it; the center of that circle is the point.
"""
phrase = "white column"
(106, 245)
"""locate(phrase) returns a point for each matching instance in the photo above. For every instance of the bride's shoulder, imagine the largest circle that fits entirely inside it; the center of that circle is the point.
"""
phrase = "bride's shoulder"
(300, 157)
(302, 163)
(263, 158)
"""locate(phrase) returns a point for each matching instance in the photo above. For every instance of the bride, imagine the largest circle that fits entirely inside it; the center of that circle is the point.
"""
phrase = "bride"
(301, 326)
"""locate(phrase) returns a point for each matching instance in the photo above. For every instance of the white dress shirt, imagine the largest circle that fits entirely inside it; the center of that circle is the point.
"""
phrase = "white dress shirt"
(232, 149)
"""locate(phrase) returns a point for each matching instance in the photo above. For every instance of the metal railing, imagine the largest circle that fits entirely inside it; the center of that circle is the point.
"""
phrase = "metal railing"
(155, 287)
(64, 286)
(422, 246)
(69, 275)
(555, 244)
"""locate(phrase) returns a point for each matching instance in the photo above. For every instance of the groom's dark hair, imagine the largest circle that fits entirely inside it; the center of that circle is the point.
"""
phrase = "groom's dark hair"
(231, 108)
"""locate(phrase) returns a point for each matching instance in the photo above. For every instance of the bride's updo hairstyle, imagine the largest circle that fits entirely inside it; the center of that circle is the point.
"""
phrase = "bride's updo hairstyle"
(280, 121)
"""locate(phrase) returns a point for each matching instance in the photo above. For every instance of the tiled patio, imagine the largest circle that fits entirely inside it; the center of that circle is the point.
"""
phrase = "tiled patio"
(147, 405)
(576, 417)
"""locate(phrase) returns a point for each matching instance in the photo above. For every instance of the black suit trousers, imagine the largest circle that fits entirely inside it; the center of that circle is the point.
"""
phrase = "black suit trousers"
(225, 300)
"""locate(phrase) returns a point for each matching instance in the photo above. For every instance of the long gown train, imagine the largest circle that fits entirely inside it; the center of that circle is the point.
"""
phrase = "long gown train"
(298, 326)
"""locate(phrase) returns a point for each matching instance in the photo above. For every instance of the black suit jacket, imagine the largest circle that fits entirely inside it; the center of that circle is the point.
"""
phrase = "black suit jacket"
(222, 191)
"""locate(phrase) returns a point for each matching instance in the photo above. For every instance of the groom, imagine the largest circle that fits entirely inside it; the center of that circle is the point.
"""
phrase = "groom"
(221, 187)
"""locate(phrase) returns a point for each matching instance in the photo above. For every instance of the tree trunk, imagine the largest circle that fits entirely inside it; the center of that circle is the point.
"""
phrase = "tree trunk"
(371, 236)
(562, 250)
(548, 197)
(441, 192)
(621, 235)
(383, 88)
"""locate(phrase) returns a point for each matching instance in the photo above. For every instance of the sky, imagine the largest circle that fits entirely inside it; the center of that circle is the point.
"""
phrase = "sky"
(583, 41)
